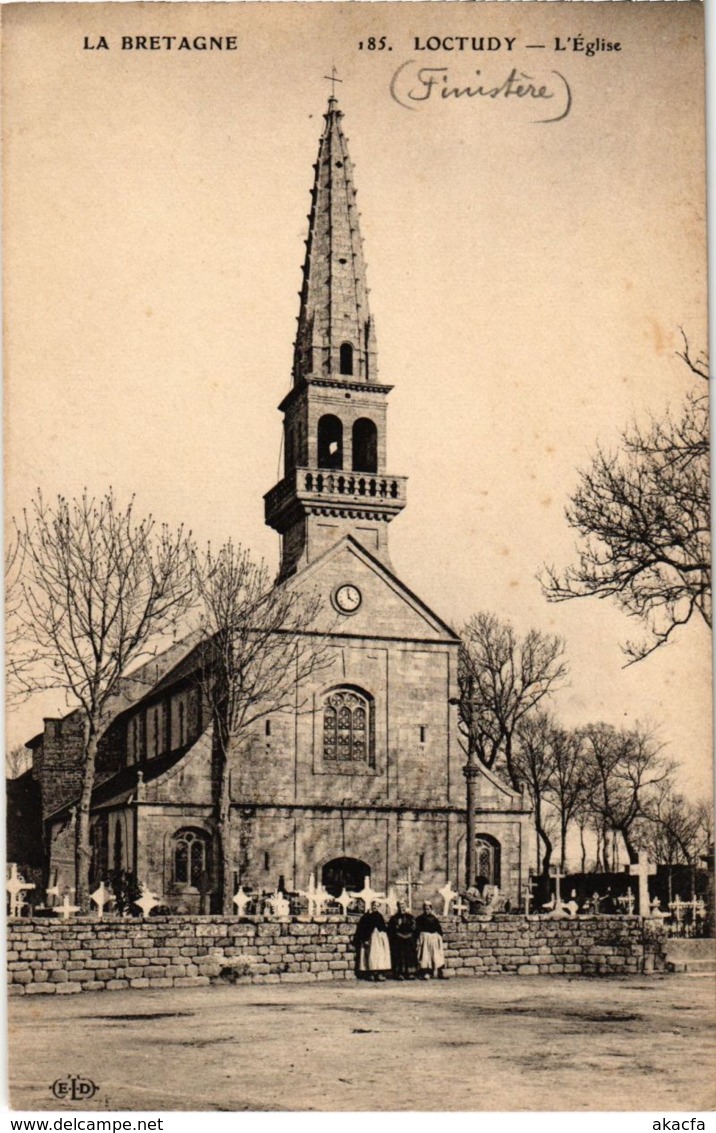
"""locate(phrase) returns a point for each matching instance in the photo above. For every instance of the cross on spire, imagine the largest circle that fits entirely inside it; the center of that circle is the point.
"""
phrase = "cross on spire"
(333, 79)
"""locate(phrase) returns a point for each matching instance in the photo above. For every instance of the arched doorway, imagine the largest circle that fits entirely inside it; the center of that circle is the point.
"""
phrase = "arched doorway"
(344, 873)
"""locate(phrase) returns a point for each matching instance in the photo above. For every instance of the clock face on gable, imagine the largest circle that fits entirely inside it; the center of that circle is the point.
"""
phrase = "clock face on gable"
(347, 598)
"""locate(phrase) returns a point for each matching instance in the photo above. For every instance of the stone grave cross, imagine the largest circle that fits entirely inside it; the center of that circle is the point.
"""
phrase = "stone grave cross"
(558, 909)
(279, 905)
(15, 887)
(344, 901)
(147, 901)
(321, 898)
(368, 895)
(311, 895)
(101, 897)
(448, 895)
(643, 869)
(65, 910)
(459, 907)
(241, 900)
(528, 898)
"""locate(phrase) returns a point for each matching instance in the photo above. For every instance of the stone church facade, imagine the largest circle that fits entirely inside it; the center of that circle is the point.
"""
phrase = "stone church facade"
(364, 779)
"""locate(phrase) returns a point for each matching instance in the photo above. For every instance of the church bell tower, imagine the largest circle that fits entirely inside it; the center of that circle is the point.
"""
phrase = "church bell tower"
(335, 480)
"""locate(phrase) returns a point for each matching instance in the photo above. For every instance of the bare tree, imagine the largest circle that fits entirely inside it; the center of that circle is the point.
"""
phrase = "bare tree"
(503, 678)
(534, 766)
(585, 821)
(675, 830)
(260, 646)
(17, 761)
(98, 589)
(625, 769)
(15, 657)
(643, 515)
(569, 781)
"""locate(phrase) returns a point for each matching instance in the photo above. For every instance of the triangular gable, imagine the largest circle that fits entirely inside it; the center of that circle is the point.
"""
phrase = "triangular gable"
(498, 789)
(388, 607)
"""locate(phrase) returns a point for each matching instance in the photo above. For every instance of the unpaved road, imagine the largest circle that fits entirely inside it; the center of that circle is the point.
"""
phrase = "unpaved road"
(524, 1043)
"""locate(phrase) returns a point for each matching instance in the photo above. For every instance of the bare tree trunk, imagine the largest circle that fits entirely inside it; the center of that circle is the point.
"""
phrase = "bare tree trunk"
(584, 849)
(510, 766)
(630, 848)
(83, 853)
(563, 843)
(544, 838)
(223, 830)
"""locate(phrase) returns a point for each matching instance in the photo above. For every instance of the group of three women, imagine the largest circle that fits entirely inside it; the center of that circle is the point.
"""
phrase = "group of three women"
(407, 946)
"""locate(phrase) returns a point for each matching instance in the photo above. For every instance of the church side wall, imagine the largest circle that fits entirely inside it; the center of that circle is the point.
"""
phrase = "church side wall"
(56, 958)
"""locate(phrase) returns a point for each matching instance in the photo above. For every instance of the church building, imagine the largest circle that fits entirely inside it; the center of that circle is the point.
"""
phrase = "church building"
(366, 781)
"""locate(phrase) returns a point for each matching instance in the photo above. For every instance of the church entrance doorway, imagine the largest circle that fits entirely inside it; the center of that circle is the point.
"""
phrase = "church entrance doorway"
(344, 873)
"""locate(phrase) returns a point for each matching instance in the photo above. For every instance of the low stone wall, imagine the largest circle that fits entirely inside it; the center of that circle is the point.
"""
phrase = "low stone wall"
(53, 957)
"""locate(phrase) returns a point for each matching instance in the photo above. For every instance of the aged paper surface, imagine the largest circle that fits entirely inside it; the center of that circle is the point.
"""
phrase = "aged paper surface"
(531, 202)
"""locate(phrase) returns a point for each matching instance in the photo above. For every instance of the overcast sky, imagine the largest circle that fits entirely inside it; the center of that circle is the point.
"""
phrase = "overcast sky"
(528, 280)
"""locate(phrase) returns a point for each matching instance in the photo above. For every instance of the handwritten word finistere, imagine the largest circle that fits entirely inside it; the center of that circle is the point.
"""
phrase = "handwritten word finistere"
(412, 86)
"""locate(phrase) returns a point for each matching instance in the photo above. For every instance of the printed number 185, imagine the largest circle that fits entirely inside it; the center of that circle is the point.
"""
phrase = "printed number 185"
(373, 44)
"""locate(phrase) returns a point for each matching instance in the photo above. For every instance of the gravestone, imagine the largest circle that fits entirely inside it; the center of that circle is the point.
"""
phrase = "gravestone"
(448, 895)
(146, 902)
(643, 870)
(101, 897)
(65, 910)
(345, 900)
(368, 895)
(241, 900)
(16, 886)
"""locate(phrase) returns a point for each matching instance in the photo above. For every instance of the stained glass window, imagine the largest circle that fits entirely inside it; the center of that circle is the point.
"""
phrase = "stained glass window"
(346, 728)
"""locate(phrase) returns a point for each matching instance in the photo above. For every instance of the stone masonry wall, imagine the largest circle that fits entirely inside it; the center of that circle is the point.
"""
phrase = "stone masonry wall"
(54, 957)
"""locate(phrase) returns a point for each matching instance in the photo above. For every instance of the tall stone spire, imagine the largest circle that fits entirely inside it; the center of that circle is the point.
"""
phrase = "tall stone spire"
(334, 481)
(335, 330)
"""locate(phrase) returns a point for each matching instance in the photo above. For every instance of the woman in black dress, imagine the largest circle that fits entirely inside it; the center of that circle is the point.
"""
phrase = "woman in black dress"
(401, 933)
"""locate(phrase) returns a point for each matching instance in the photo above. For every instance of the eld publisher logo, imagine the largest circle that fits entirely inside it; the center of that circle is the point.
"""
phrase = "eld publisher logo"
(74, 1088)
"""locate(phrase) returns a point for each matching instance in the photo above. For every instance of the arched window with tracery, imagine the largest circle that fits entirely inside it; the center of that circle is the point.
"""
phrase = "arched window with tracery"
(190, 857)
(487, 860)
(348, 729)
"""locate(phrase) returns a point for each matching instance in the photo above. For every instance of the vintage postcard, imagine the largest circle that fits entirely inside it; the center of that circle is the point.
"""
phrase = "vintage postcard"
(357, 760)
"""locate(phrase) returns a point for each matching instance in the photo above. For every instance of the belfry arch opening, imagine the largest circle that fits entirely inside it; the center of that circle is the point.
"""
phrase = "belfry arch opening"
(330, 442)
(365, 445)
(346, 359)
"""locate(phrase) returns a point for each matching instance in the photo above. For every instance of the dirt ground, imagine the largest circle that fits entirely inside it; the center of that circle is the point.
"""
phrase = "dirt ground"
(525, 1043)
